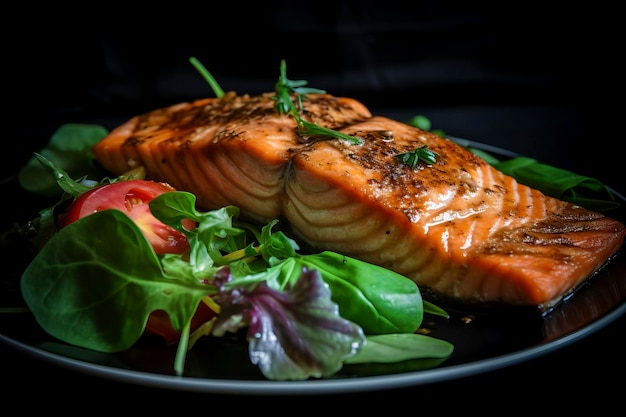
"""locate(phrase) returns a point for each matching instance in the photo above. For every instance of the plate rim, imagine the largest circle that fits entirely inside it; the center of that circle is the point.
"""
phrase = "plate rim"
(314, 386)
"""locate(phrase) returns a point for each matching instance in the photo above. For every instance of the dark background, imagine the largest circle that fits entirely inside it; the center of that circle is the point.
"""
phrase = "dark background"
(545, 83)
(542, 82)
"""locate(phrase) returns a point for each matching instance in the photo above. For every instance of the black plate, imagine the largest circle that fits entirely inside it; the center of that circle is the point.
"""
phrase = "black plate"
(484, 341)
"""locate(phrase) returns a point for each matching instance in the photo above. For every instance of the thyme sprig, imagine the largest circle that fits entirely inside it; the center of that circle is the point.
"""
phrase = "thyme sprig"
(285, 88)
(422, 153)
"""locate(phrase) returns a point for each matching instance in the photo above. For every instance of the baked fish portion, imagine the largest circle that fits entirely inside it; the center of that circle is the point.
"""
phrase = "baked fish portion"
(459, 228)
(232, 150)
(462, 230)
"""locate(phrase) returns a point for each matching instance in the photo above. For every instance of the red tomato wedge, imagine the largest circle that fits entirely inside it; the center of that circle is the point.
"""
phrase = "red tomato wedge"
(132, 197)
(159, 323)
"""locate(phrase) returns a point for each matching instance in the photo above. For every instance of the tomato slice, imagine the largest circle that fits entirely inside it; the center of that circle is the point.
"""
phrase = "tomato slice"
(132, 197)
(159, 323)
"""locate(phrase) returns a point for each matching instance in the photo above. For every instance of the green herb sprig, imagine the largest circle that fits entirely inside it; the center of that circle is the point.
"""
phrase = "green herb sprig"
(285, 105)
(284, 102)
(219, 92)
(412, 158)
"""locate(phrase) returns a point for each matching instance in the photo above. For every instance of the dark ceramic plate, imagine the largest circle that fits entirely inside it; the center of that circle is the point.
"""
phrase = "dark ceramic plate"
(483, 341)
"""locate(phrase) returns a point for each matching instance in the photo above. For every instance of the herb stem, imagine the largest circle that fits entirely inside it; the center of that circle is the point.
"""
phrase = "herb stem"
(285, 105)
(207, 76)
(240, 254)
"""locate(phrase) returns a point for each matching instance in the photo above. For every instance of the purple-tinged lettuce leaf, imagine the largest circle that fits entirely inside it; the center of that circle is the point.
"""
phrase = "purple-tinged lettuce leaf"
(293, 334)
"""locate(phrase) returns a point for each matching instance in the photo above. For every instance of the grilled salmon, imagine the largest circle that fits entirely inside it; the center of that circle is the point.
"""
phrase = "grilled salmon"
(462, 230)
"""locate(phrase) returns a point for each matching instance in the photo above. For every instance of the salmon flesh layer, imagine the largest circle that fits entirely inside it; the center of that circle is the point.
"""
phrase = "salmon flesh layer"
(459, 228)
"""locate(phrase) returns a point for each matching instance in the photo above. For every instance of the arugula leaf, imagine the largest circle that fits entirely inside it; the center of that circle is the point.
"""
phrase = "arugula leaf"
(434, 309)
(63, 179)
(562, 184)
(70, 149)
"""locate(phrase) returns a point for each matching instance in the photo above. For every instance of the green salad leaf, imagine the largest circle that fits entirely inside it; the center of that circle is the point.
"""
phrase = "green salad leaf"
(566, 185)
(401, 347)
(70, 149)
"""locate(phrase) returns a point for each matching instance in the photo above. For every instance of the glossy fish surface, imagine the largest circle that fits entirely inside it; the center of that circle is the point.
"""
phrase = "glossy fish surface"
(458, 227)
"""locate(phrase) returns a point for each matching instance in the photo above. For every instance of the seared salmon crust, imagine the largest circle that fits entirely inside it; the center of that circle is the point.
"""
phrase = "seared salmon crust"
(459, 228)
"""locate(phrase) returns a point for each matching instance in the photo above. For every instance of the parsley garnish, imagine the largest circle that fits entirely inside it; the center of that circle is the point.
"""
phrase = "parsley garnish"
(285, 105)
(411, 158)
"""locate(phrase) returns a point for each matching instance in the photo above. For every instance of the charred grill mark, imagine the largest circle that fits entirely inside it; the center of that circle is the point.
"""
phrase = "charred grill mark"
(532, 239)
(176, 124)
(327, 111)
(224, 135)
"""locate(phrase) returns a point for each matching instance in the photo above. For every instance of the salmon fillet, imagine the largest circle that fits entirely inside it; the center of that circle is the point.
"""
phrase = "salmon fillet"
(462, 230)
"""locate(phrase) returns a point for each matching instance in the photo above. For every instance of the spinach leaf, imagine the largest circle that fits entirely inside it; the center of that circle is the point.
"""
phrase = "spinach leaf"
(84, 290)
(585, 191)
(400, 347)
(378, 299)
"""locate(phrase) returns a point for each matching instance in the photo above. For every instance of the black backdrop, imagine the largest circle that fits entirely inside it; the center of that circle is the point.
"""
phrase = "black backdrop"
(543, 82)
